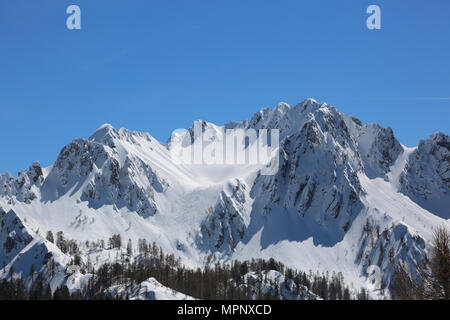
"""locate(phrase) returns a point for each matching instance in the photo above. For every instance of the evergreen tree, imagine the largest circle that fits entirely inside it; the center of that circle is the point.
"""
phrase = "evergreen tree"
(50, 237)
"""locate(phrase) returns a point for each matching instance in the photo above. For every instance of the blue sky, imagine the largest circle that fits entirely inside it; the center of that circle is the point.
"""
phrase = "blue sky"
(158, 65)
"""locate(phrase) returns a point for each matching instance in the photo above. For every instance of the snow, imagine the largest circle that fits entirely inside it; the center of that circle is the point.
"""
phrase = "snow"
(426, 178)
(384, 196)
(149, 289)
(399, 167)
(334, 175)
(288, 290)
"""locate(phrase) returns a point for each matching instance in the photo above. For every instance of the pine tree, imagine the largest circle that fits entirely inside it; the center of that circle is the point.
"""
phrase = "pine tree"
(48, 293)
(50, 237)
(129, 248)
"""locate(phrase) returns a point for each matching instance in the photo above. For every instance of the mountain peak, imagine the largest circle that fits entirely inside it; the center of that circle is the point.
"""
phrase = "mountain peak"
(105, 132)
(309, 100)
(441, 139)
(106, 126)
(283, 106)
(310, 105)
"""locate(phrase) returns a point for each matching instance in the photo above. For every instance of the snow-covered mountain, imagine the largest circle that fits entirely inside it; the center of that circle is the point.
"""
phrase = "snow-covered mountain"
(347, 198)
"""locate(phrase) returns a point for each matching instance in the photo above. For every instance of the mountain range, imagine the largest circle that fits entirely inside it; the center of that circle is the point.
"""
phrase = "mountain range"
(347, 197)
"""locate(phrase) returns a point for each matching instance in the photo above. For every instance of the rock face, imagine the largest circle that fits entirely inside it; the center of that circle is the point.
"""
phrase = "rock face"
(14, 236)
(426, 178)
(288, 289)
(226, 222)
(334, 174)
(379, 249)
(115, 186)
(22, 188)
(105, 174)
(319, 162)
(378, 149)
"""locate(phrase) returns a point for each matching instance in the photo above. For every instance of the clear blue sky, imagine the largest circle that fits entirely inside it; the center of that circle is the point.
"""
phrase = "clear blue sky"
(158, 65)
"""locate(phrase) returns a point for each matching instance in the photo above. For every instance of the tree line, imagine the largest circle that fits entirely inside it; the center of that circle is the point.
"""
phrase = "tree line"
(227, 281)
(214, 281)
